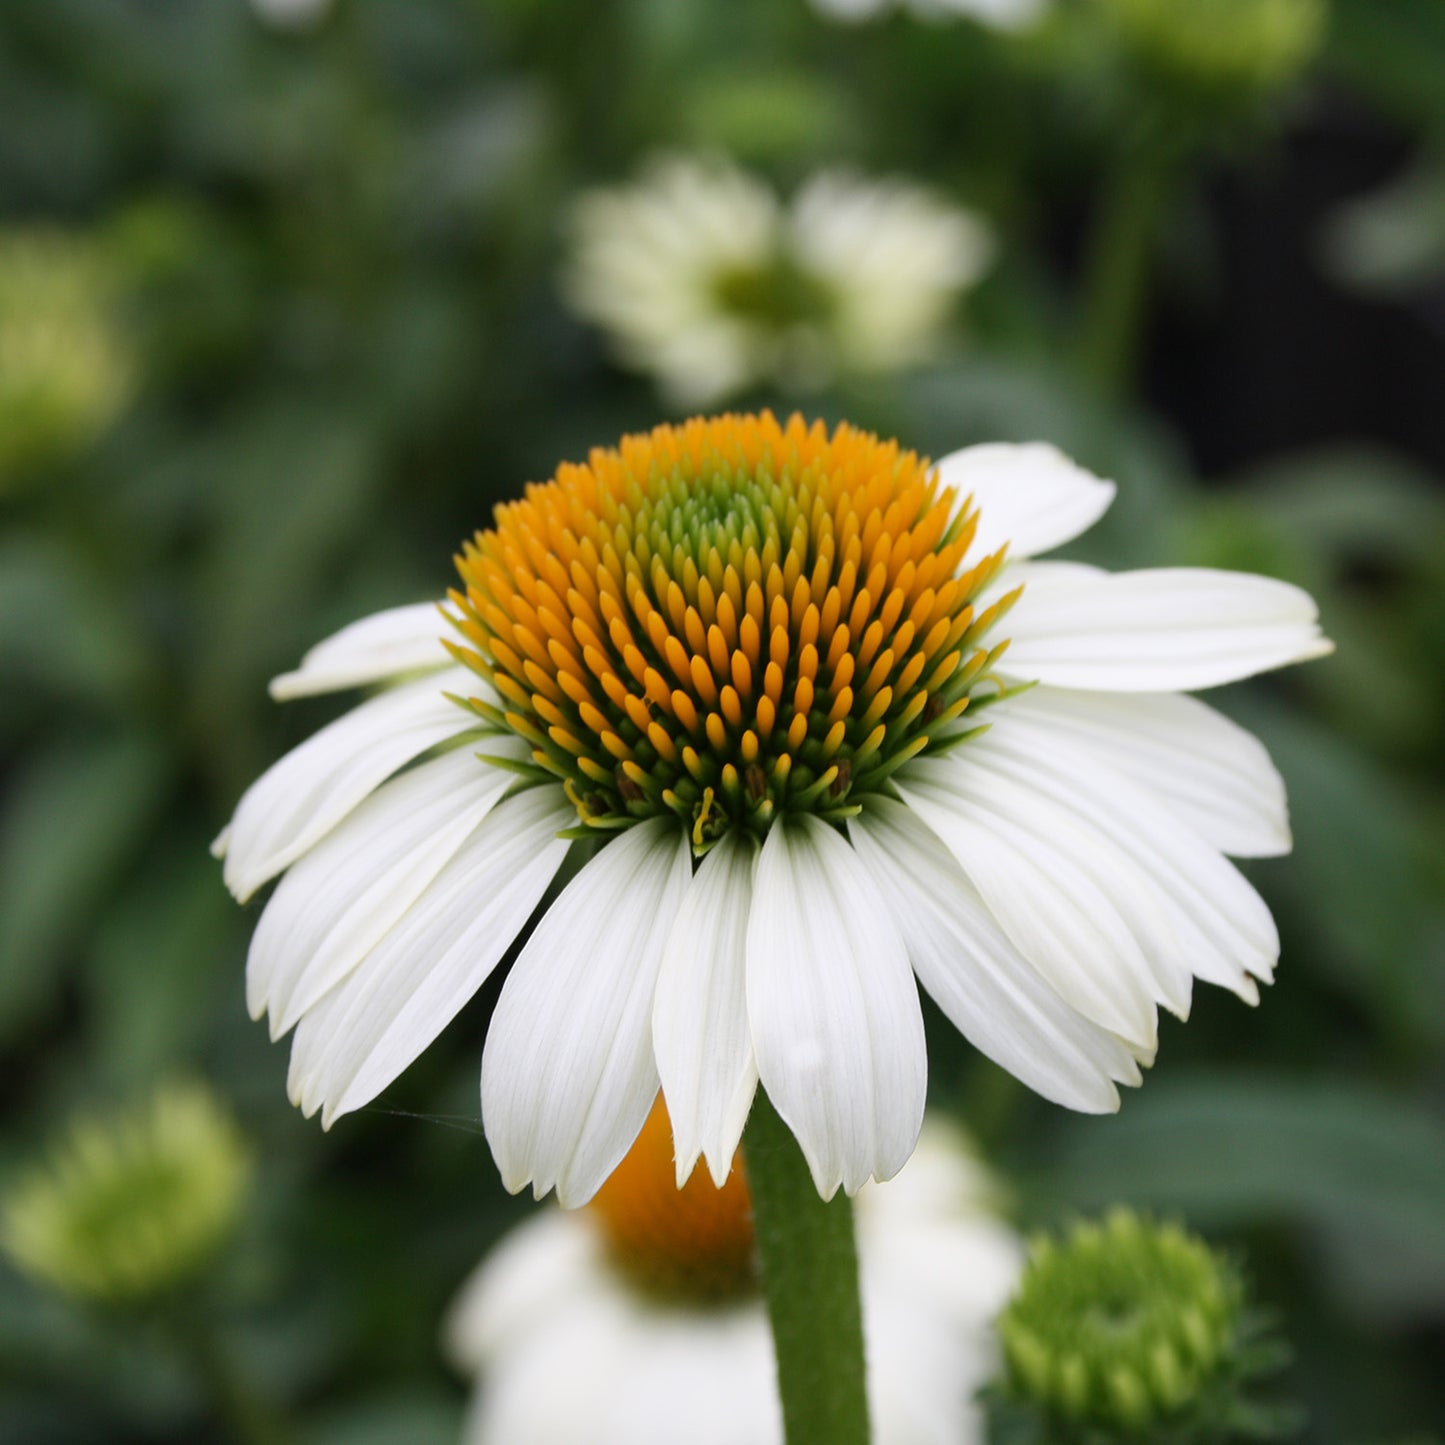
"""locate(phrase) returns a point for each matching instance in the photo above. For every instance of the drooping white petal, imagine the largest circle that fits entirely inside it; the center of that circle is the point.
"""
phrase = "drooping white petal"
(1028, 871)
(993, 996)
(299, 799)
(833, 1008)
(1224, 930)
(568, 1074)
(700, 1030)
(1030, 496)
(336, 902)
(360, 1037)
(1208, 770)
(1096, 855)
(1168, 629)
(382, 646)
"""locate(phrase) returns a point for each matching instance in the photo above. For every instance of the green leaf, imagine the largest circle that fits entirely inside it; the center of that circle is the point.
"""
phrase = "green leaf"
(1358, 889)
(1363, 1168)
(164, 962)
(61, 630)
(72, 824)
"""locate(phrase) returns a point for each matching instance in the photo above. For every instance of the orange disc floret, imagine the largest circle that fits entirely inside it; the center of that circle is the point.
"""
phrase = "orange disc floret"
(697, 1240)
(728, 619)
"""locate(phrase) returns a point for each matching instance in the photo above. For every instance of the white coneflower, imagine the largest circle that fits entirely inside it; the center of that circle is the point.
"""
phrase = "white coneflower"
(824, 727)
(706, 281)
(1000, 14)
(647, 1305)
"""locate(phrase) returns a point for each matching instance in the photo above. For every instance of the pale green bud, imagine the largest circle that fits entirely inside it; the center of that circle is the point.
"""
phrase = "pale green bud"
(1123, 1327)
(1238, 45)
(128, 1206)
(64, 370)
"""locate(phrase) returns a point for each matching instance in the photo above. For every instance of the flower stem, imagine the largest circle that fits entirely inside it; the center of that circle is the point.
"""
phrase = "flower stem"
(810, 1279)
(1117, 270)
(246, 1418)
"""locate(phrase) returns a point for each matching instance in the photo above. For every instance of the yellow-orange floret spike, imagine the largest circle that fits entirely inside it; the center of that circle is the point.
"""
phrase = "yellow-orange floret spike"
(639, 714)
(661, 739)
(727, 619)
(803, 696)
(615, 746)
(684, 711)
(656, 688)
(731, 704)
(694, 632)
(678, 659)
(704, 683)
(767, 715)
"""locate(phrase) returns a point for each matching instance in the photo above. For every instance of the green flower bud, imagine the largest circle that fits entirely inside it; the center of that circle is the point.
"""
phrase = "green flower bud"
(128, 1207)
(1132, 1331)
(1234, 45)
(64, 373)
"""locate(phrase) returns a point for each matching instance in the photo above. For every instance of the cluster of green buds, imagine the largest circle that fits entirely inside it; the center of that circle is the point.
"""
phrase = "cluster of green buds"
(127, 1208)
(64, 370)
(1133, 1331)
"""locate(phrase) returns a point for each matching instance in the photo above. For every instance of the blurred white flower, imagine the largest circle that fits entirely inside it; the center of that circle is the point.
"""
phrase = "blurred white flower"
(893, 256)
(645, 1304)
(1000, 14)
(710, 283)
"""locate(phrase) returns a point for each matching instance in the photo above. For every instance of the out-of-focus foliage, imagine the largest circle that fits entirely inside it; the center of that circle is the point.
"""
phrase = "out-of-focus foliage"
(296, 269)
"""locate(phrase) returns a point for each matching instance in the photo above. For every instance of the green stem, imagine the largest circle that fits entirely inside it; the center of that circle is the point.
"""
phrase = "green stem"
(810, 1279)
(248, 1420)
(1117, 271)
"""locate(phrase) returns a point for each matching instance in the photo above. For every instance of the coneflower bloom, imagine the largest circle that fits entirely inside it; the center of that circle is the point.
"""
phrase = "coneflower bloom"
(709, 282)
(647, 1304)
(810, 725)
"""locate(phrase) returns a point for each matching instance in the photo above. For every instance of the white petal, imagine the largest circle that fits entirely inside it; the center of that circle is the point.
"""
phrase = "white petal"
(1030, 497)
(299, 799)
(1168, 629)
(834, 1011)
(382, 646)
(353, 1043)
(567, 1074)
(1028, 870)
(700, 1018)
(1114, 869)
(1224, 930)
(1211, 772)
(977, 977)
(337, 901)
(539, 1267)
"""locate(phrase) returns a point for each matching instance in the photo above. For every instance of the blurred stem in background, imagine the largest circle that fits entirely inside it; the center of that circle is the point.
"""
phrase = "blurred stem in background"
(248, 1419)
(810, 1279)
(1119, 263)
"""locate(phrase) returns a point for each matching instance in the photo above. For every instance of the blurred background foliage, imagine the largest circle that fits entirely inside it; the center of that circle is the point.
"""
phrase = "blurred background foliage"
(280, 320)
